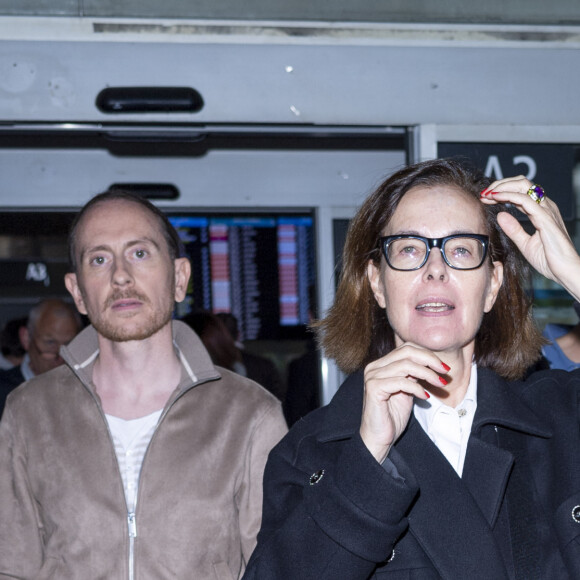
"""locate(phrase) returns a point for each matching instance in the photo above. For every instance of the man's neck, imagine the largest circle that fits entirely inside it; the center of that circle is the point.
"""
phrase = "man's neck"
(136, 378)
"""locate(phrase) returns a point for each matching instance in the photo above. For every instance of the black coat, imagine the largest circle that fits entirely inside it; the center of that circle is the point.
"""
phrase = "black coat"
(515, 513)
(9, 380)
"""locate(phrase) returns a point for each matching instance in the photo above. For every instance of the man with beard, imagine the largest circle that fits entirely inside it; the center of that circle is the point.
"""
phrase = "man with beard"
(138, 458)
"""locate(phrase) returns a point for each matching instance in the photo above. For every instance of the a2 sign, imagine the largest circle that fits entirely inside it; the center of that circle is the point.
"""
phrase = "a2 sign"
(549, 165)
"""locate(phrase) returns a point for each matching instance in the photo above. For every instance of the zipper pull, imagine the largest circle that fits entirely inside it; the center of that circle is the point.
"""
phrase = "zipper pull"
(132, 525)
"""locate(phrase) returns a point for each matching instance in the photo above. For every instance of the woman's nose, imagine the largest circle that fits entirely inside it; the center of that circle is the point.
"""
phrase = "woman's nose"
(436, 267)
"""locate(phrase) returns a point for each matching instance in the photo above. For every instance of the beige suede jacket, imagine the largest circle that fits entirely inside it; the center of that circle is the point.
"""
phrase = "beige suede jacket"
(62, 506)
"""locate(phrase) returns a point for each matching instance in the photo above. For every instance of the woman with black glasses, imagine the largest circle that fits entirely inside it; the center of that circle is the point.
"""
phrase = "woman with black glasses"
(435, 459)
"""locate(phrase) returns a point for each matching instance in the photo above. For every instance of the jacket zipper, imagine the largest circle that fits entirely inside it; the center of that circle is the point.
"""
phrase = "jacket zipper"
(132, 524)
(131, 515)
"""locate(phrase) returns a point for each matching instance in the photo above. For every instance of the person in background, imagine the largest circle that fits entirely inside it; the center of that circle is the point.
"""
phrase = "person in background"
(137, 459)
(258, 368)
(303, 391)
(563, 350)
(11, 350)
(51, 324)
(435, 459)
(216, 339)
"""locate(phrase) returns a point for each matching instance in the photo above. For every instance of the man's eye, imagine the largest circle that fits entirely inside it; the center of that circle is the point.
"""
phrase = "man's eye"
(98, 260)
(140, 253)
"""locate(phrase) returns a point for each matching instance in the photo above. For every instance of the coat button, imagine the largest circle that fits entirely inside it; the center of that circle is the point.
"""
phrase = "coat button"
(317, 476)
(576, 514)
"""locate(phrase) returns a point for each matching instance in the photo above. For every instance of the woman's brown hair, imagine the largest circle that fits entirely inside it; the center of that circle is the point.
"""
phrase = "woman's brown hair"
(356, 331)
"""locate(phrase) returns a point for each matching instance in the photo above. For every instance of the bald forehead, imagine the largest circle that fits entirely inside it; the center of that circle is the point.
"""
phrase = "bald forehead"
(52, 312)
(103, 217)
(101, 209)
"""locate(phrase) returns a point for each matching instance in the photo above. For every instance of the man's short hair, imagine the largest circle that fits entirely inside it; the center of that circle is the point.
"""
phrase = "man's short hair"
(171, 236)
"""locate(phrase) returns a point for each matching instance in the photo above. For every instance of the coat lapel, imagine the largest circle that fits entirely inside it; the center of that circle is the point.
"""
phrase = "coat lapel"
(485, 474)
(446, 520)
(487, 466)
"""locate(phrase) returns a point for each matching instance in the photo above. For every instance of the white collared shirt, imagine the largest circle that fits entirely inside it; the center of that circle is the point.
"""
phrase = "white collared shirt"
(449, 427)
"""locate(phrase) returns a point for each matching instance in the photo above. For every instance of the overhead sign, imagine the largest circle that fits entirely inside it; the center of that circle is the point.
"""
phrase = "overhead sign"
(26, 278)
(550, 166)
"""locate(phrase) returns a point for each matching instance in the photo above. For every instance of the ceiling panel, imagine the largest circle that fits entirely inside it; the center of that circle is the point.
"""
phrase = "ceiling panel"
(453, 11)
(40, 7)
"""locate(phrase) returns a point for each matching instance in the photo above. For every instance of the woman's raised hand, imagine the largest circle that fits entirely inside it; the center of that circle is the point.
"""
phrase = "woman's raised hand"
(549, 249)
(390, 383)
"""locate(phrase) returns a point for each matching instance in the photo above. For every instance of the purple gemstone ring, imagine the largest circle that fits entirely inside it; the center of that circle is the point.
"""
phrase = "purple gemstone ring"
(536, 193)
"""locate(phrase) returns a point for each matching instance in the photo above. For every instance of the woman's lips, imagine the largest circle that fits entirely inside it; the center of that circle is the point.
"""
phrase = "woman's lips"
(434, 306)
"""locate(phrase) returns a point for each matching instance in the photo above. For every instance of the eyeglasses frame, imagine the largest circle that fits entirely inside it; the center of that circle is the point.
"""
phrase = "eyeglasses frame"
(384, 242)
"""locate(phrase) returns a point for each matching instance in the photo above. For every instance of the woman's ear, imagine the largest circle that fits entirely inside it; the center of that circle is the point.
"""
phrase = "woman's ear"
(376, 282)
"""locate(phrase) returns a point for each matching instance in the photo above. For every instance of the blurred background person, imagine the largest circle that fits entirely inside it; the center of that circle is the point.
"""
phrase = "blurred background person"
(51, 324)
(303, 391)
(11, 350)
(258, 368)
(304, 380)
(563, 351)
(216, 339)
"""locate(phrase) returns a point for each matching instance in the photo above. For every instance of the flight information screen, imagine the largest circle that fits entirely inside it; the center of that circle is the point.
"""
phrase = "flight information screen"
(260, 268)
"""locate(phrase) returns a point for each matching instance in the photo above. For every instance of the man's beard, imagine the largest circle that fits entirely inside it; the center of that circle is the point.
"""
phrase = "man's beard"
(118, 332)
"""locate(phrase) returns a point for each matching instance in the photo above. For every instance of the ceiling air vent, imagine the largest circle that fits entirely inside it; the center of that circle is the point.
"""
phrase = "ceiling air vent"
(148, 190)
(149, 100)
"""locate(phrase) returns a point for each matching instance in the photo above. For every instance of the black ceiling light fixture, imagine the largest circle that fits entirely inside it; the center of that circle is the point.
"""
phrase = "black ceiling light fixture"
(149, 100)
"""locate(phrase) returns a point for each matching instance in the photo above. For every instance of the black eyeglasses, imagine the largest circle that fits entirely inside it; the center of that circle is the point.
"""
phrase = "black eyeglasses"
(460, 251)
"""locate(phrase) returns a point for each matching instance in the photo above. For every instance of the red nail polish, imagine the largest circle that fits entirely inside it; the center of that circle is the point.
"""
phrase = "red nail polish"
(446, 367)
(483, 192)
(443, 381)
(427, 394)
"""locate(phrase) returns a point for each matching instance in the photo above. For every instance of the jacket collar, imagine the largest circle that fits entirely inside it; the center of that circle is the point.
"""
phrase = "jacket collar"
(499, 403)
(80, 355)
